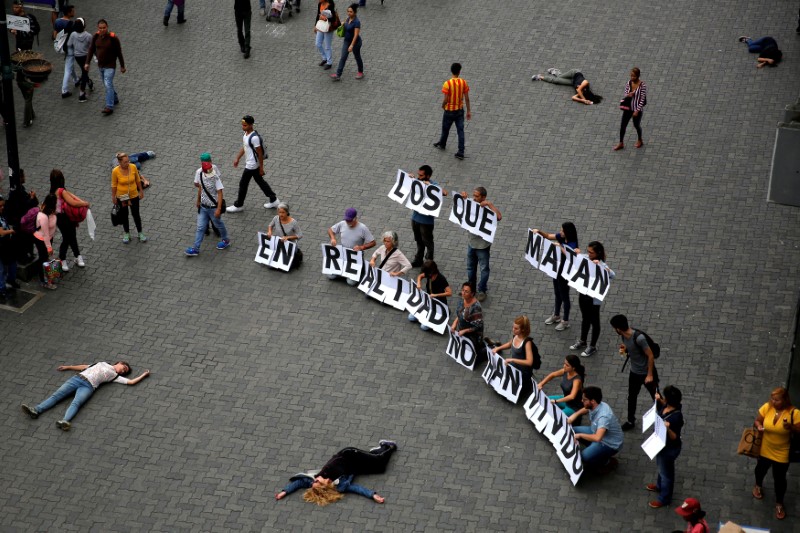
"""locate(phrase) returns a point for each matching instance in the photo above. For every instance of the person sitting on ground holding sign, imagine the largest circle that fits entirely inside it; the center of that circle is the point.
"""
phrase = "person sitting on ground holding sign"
(335, 478)
(287, 228)
(568, 236)
(469, 320)
(352, 234)
(436, 286)
(603, 435)
(391, 258)
(572, 375)
(524, 352)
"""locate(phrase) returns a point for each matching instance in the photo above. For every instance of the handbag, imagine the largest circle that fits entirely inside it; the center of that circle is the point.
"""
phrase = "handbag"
(625, 103)
(224, 203)
(336, 22)
(75, 214)
(794, 443)
(750, 443)
(323, 26)
(116, 215)
(340, 31)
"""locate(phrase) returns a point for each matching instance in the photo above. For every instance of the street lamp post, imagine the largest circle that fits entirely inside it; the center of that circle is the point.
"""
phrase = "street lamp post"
(9, 118)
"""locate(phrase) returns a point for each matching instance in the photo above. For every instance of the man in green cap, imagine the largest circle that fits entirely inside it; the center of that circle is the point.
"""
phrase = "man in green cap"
(210, 204)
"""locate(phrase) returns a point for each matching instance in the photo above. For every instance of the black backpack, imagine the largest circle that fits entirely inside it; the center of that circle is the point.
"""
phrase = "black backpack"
(537, 359)
(654, 346)
(253, 148)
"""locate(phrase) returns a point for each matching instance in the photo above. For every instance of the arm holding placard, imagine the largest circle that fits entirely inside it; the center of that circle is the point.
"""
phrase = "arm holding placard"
(489, 205)
(551, 376)
(577, 415)
(332, 236)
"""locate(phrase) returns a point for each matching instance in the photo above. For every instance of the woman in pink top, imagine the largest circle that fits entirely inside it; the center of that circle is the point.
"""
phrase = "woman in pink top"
(43, 236)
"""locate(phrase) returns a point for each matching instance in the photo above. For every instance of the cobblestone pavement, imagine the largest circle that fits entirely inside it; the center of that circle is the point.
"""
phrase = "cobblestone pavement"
(258, 374)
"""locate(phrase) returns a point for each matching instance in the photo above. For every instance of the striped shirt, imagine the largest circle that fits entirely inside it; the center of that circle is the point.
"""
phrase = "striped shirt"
(455, 89)
(639, 97)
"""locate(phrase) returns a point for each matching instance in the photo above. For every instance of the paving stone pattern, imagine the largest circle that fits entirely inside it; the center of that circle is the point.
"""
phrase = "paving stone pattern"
(258, 374)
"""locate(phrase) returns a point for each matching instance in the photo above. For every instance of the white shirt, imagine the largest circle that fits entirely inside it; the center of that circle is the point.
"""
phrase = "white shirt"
(100, 373)
(251, 159)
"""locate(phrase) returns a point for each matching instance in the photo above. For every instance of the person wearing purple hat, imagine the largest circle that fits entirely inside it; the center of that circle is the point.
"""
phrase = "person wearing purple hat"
(351, 234)
(210, 204)
(254, 155)
(694, 515)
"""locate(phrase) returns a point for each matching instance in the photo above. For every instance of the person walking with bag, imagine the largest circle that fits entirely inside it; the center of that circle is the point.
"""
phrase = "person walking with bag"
(632, 105)
(254, 155)
(78, 45)
(352, 43)
(66, 205)
(777, 420)
(127, 191)
(43, 237)
(210, 204)
(326, 24)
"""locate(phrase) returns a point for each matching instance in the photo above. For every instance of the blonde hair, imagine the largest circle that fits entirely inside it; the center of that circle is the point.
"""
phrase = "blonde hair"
(120, 155)
(524, 325)
(784, 395)
(323, 495)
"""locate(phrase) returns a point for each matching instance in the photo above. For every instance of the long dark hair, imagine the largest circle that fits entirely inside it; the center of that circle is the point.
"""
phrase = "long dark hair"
(589, 95)
(56, 180)
(575, 362)
(49, 205)
(598, 248)
(570, 232)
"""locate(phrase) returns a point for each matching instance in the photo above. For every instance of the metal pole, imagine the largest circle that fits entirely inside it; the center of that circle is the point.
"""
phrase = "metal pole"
(8, 101)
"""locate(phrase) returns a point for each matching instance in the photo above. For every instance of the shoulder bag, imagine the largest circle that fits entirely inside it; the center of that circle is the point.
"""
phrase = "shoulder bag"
(298, 254)
(794, 443)
(212, 198)
(750, 443)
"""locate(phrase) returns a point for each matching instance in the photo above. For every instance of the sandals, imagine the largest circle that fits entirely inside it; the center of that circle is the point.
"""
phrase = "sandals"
(757, 493)
(780, 512)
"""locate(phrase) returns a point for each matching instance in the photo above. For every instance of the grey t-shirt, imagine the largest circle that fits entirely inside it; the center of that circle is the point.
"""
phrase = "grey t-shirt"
(349, 237)
(292, 228)
(78, 43)
(635, 347)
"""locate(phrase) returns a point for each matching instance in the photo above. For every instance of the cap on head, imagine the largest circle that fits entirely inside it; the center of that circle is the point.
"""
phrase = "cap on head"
(247, 119)
(689, 507)
(205, 156)
(350, 214)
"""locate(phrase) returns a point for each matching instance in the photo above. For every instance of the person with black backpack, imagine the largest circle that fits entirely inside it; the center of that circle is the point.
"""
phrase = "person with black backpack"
(641, 352)
(255, 152)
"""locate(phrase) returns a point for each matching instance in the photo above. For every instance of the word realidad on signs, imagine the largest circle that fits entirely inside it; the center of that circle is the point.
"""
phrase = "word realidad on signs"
(555, 260)
(505, 379)
(394, 291)
(275, 252)
(461, 350)
(474, 218)
(423, 198)
(551, 422)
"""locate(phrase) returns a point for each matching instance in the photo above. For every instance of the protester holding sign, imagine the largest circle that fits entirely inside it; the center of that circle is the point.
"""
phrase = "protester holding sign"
(603, 434)
(469, 319)
(567, 236)
(776, 421)
(24, 39)
(572, 375)
(389, 258)
(352, 234)
(669, 409)
(590, 307)
(643, 365)
(524, 353)
(286, 227)
(422, 225)
(436, 286)
(478, 249)
(335, 478)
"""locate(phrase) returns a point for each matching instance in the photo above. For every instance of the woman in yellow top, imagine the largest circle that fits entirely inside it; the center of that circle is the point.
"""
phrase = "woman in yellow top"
(776, 421)
(126, 190)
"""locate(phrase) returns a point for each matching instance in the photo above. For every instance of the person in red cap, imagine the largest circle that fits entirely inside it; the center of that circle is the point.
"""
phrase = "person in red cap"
(695, 516)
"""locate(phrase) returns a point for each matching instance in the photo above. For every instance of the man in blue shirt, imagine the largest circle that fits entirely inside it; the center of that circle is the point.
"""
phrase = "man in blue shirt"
(603, 435)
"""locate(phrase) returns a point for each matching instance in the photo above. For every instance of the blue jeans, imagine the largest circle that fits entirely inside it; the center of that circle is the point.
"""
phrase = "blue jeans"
(759, 45)
(345, 53)
(203, 216)
(69, 74)
(108, 81)
(7, 273)
(82, 389)
(262, 4)
(447, 120)
(596, 454)
(412, 318)
(324, 42)
(138, 158)
(666, 473)
(168, 10)
(475, 257)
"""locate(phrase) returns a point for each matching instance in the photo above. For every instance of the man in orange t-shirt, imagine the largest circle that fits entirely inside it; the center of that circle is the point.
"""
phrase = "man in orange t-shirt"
(456, 92)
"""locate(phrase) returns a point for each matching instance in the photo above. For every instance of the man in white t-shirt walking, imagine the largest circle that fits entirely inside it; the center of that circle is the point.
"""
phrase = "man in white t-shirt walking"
(254, 154)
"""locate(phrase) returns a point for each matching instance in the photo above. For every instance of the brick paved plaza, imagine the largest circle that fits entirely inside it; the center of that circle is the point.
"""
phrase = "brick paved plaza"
(258, 374)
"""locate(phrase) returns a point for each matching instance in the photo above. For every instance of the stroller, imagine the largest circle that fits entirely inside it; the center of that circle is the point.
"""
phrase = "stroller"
(279, 9)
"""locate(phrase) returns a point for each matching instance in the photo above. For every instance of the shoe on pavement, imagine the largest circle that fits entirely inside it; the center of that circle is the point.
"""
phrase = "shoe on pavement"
(564, 324)
(589, 352)
(30, 411)
(192, 251)
(360, 76)
(224, 243)
(327, 67)
(262, 12)
(440, 146)
(82, 98)
(63, 425)
(553, 319)
(166, 21)
(537, 77)
(386, 442)
(416, 263)
(335, 77)
(323, 62)
(126, 238)
(655, 504)
(234, 209)
(66, 94)
(64, 265)
(652, 487)
(107, 111)
(142, 237)
(578, 345)
(628, 425)
(151, 154)
(272, 205)
(460, 156)
(481, 296)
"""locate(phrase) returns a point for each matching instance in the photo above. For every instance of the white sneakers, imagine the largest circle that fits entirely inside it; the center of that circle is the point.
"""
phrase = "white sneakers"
(64, 266)
(78, 260)
(234, 209)
(81, 262)
(271, 205)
